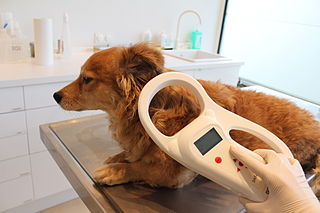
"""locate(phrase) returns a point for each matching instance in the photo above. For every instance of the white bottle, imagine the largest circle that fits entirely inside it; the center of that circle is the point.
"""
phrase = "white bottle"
(147, 36)
(5, 44)
(66, 37)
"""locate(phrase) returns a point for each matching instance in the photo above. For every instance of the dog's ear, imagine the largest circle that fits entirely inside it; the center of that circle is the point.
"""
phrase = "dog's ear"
(142, 61)
(139, 64)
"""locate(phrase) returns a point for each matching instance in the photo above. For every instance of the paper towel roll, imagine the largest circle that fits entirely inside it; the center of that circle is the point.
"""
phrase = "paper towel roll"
(43, 41)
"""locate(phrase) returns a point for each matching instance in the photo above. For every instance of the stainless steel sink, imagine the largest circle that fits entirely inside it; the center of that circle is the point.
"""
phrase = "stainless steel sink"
(195, 55)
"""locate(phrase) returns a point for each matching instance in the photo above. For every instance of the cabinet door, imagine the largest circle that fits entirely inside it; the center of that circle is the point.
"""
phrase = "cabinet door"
(189, 72)
(226, 75)
(13, 99)
(41, 95)
(46, 115)
(12, 124)
(14, 146)
(14, 168)
(42, 116)
(47, 176)
(15, 192)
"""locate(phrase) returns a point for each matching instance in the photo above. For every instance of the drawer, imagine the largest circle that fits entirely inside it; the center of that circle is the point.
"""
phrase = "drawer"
(13, 99)
(14, 146)
(48, 179)
(16, 192)
(12, 124)
(14, 168)
(41, 95)
(37, 117)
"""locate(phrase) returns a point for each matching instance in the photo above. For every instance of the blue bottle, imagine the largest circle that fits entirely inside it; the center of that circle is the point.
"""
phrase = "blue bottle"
(196, 39)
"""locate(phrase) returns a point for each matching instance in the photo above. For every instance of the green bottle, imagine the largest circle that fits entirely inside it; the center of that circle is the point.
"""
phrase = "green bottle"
(196, 38)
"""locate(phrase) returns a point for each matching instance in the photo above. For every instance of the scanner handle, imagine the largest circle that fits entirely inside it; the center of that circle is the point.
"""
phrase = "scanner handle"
(265, 135)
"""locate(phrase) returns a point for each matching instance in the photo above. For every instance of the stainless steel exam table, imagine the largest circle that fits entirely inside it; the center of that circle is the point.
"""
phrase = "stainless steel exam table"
(80, 146)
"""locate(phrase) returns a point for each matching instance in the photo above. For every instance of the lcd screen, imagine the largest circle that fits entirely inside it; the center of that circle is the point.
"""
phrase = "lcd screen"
(208, 141)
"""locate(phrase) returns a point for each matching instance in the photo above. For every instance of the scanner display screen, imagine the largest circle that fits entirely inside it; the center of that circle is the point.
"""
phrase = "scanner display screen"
(208, 141)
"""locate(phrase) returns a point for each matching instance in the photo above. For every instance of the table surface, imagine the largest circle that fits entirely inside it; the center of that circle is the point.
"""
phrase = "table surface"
(80, 146)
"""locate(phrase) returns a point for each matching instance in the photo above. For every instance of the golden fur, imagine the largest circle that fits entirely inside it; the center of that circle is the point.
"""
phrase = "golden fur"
(111, 80)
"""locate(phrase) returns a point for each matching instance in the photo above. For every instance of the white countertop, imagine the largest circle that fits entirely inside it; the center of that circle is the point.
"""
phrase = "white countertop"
(27, 73)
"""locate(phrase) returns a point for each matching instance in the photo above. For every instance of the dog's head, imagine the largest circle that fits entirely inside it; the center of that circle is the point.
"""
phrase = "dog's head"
(111, 76)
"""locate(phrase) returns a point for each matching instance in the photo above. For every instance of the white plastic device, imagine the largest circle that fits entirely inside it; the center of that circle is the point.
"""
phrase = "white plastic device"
(203, 145)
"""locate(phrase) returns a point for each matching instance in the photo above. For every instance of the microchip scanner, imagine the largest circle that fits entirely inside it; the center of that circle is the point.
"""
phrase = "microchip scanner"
(203, 145)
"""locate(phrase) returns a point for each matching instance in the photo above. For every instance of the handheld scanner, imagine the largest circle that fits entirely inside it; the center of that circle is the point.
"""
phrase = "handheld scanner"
(203, 145)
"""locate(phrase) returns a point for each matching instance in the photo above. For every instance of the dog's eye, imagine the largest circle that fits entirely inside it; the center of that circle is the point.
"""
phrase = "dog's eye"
(87, 80)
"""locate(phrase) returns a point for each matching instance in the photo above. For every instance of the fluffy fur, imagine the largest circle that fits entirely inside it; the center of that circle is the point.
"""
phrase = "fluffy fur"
(111, 80)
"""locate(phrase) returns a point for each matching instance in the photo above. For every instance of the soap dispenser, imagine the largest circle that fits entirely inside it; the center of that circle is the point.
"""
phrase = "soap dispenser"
(196, 39)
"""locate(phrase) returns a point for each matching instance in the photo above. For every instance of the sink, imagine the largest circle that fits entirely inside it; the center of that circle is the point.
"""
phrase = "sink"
(195, 55)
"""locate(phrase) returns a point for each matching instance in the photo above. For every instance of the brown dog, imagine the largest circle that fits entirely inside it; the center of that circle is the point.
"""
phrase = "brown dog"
(111, 80)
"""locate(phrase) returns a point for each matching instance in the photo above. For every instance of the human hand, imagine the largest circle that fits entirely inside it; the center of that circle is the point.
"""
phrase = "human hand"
(288, 188)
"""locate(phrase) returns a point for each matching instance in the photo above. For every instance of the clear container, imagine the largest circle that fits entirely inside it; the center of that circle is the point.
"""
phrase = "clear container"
(19, 49)
(5, 46)
(147, 36)
(100, 42)
(19, 45)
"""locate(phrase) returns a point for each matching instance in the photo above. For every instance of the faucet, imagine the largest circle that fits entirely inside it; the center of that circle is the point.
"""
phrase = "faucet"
(178, 24)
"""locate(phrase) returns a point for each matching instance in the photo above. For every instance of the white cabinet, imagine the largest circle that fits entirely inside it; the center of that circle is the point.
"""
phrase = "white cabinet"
(27, 171)
(12, 124)
(224, 74)
(11, 99)
(15, 192)
(189, 72)
(14, 146)
(40, 116)
(41, 95)
(45, 115)
(14, 168)
(47, 177)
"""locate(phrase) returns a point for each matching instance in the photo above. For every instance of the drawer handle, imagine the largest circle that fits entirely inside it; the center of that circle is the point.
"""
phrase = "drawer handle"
(16, 109)
(24, 174)
(20, 133)
(28, 201)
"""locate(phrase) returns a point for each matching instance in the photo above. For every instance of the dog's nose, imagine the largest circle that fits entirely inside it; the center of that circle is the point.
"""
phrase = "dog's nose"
(57, 96)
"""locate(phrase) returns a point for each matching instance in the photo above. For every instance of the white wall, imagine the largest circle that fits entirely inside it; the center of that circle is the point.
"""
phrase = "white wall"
(279, 41)
(123, 20)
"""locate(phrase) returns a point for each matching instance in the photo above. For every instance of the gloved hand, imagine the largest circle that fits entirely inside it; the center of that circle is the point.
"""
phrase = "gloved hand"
(288, 188)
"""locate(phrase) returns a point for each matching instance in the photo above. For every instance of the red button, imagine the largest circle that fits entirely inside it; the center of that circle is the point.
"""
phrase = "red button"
(238, 170)
(240, 163)
(218, 159)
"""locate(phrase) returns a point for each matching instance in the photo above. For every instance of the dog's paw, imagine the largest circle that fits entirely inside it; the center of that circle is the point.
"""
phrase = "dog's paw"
(111, 174)
(118, 158)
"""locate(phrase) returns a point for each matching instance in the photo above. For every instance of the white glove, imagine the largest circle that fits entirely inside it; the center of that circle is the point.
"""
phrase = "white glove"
(288, 188)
